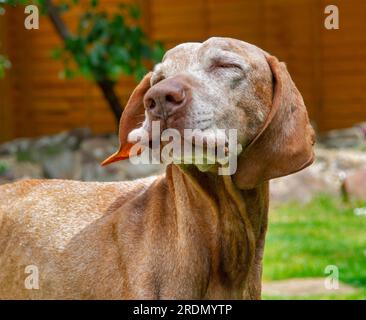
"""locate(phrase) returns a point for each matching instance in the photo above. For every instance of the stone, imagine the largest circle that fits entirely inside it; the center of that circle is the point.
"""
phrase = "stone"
(345, 138)
(341, 159)
(13, 147)
(303, 186)
(77, 154)
(62, 165)
(362, 126)
(325, 175)
(12, 170)
(96, 149)
(354, 186)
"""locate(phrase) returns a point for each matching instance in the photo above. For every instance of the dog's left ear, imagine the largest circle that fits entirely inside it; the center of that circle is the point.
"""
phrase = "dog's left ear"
(285, 143)
(133, 115)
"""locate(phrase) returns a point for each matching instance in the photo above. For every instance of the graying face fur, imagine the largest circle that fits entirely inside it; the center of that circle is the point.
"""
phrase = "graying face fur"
(230, 82)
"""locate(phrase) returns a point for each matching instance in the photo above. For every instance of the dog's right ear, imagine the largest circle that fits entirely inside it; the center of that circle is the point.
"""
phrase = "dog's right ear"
(133, 115)
(285, 143)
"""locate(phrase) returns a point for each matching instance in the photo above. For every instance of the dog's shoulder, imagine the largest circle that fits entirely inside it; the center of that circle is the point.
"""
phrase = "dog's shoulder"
(53, 206)
(57, 194)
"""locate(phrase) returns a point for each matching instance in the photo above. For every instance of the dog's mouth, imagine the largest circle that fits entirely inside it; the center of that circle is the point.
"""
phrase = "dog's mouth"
(172, 142)
(162, 135)
(204, 148)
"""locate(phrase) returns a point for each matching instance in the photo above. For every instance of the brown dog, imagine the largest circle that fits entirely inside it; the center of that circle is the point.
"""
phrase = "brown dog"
(189, 234)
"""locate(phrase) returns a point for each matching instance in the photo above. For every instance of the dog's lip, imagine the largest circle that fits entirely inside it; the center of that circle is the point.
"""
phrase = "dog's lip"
(205, 144)
(204, 136)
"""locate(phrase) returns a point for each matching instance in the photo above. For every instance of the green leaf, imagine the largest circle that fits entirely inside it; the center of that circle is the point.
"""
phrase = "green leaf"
(140, 72)
(63, 7)
(134, 12)
(4, 64)
(56, 53)
(3, 168)
(158, 52)
(106, 46)
(67, 74)
(94, 3)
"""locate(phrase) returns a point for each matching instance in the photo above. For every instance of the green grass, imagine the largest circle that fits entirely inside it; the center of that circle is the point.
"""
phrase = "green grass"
(3, 168)
(303, 239)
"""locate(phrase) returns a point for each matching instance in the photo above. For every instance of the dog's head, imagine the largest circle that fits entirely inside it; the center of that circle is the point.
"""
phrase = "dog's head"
(225, 83)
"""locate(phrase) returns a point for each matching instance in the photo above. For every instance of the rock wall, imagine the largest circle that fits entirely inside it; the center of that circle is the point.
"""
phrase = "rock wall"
(77, 155)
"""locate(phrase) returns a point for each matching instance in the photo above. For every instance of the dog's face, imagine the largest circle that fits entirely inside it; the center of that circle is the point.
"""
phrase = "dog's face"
(218, 84)
(225, 83)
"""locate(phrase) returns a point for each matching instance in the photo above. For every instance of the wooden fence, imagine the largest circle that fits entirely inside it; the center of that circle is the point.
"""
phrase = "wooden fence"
(328, 66)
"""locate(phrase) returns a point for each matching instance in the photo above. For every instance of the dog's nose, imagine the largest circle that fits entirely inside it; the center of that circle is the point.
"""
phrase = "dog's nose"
(166, 98)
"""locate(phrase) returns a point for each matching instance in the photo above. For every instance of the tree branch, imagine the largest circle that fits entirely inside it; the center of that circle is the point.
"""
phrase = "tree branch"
(106, 86)
(57, 21)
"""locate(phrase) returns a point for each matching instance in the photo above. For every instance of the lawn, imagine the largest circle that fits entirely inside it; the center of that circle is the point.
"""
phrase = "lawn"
(303, 239)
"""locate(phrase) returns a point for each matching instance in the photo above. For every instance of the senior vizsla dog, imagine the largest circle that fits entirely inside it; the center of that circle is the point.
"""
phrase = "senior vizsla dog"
(188, 234)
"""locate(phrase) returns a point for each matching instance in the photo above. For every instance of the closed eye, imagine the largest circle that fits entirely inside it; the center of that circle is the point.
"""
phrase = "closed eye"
(226, 65)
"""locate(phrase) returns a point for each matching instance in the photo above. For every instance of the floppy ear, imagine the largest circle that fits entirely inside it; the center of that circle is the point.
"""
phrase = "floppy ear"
(132, 116)
(285, 143)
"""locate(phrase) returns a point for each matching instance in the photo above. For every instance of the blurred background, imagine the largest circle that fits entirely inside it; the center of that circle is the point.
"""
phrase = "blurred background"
(63, 87)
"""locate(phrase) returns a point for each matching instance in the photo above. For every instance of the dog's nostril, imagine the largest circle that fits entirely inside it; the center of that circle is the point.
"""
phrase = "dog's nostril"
(151, 104)
(175, 98)
(170, 98)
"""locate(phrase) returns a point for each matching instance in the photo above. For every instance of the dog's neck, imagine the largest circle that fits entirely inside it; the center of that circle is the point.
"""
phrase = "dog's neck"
(218, 209)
